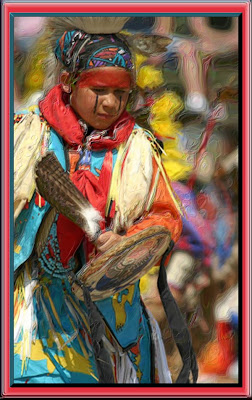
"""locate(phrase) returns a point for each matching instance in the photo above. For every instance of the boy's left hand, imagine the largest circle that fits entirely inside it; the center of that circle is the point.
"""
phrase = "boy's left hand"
(106, 240)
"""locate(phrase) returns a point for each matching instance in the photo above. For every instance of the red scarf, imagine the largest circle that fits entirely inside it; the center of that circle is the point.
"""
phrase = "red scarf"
(60, 115)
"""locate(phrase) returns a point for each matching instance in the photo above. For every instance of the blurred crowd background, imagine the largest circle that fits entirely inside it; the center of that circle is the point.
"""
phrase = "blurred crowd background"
(187, 94)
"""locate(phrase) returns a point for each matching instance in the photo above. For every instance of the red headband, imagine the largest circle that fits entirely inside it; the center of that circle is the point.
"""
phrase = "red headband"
(105, 77)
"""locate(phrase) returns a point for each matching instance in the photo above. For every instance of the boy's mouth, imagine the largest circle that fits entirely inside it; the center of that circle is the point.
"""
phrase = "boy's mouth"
(106, 116)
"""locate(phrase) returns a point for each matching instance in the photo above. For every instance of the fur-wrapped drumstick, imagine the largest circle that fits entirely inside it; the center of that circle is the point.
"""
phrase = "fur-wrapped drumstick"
(55, 186)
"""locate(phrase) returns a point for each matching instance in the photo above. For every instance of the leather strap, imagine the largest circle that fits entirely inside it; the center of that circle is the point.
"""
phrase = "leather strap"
(178, 325)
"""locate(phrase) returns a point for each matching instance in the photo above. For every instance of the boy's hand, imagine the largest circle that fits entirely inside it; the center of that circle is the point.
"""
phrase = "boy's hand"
(106, 240)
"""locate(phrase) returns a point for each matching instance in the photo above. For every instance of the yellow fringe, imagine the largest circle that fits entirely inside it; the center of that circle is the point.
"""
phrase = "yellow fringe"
(80, 312)
(24, 357)
(171, 192)
(53, 307)
(153, 192)
(19, 291)
(84, 351)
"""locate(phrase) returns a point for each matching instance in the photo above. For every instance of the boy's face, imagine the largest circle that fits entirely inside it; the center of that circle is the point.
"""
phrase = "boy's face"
(100, 96)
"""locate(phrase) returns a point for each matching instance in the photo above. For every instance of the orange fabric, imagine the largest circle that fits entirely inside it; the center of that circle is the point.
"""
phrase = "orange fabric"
(163, 211)
(73, 159)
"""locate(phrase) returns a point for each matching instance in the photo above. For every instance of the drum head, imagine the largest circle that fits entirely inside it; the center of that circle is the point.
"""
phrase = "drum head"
(124, 263)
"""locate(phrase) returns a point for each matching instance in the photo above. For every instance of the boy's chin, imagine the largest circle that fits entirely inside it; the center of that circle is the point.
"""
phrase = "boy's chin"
(101, 121)
(101, 127)
(102, 124)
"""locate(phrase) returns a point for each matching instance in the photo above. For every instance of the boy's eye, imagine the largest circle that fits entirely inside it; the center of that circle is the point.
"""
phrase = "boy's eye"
(103, 91)
(99, 90)
(120, 92)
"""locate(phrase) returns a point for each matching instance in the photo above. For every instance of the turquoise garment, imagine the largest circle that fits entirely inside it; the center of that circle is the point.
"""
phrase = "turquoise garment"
(143, 365)
(26, 228)
(61, 317)
(48, 363)
(128, 333)
(29, 220)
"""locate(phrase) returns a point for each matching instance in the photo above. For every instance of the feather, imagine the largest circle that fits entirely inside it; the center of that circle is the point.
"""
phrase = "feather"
(55, 186)
(44, 230)
(99, 25)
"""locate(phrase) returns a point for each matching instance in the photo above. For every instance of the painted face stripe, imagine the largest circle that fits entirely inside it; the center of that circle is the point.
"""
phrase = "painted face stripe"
(96, 103)
(114, 77)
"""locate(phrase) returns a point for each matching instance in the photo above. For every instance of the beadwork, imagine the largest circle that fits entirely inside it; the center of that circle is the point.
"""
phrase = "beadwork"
(53, 265)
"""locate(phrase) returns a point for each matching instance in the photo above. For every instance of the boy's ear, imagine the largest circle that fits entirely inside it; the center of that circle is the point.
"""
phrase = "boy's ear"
(65, 81)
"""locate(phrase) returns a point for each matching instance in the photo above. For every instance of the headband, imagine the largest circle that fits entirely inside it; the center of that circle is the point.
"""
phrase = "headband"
(79, 51)
(104, 77)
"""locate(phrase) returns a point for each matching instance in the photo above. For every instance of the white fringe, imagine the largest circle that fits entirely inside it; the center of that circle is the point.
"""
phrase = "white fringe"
(126, 372)
(161, 365)
(27, 321)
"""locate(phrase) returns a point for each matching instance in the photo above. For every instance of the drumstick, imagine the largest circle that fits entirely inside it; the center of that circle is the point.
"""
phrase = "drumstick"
(55, 186)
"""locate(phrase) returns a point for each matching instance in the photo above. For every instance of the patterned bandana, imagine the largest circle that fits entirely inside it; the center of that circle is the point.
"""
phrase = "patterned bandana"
(79, 51)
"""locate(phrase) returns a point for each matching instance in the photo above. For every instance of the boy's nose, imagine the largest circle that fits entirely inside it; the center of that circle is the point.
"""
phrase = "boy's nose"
(110, 101)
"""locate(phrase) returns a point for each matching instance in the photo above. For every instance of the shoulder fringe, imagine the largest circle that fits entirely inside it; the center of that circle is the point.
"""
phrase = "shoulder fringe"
(130, 185)
(28, 137)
